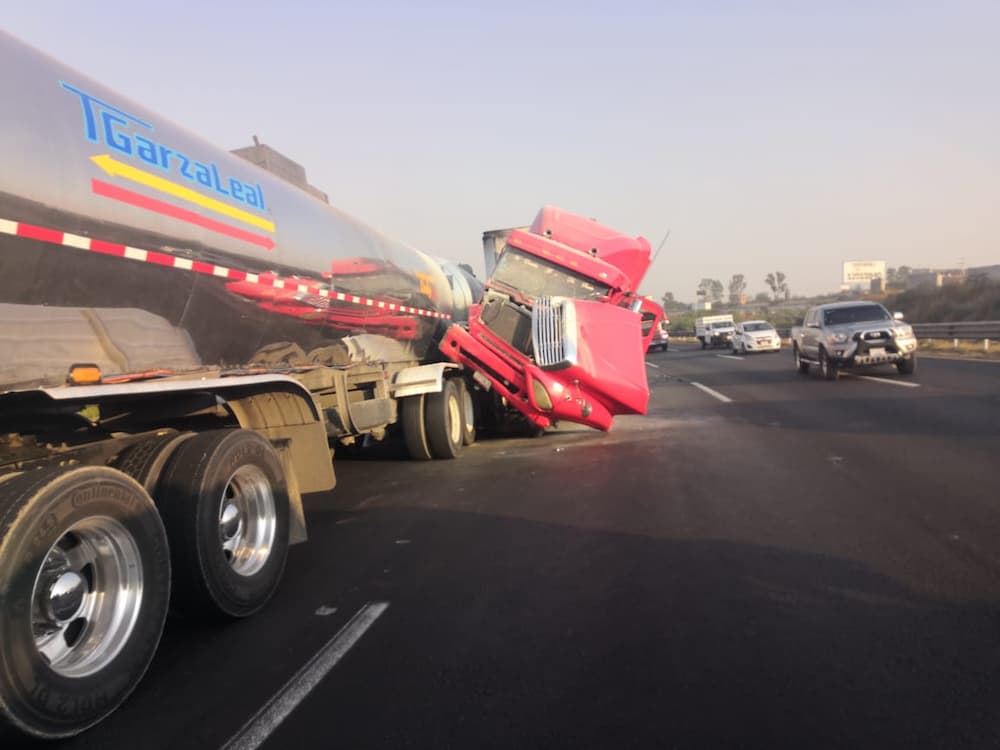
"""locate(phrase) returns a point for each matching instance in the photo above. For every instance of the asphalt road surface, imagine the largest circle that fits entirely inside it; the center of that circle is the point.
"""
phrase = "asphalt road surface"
(766, 560)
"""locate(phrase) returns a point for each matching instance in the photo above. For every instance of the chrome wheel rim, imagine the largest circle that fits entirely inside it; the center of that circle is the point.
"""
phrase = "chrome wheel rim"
(455, 421)
(468, 410)
(248, 520)
(87, 596)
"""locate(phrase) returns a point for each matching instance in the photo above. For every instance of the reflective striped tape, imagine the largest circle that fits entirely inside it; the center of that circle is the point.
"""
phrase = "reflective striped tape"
(78, 242)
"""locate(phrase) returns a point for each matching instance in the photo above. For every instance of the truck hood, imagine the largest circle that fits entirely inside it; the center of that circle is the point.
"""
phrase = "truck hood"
(610, 357)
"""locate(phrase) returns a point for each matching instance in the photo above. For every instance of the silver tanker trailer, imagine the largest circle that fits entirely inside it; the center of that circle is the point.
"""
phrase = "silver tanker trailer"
(183, 336)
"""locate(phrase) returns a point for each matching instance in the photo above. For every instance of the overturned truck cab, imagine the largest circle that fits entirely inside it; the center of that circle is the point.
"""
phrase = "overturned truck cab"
(557, 335)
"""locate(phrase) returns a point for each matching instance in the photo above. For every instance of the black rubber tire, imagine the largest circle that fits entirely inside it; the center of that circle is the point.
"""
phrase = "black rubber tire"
(467, 398)
(414, 432)
(443, 421)
(144, 461)
(36, 509)
(802, 367)
(189, 496)
(827, 369)
(907, 366)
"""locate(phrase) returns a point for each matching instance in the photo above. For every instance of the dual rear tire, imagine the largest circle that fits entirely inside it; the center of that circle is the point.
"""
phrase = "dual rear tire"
(87, 559)
(438, 425)
(85, 576)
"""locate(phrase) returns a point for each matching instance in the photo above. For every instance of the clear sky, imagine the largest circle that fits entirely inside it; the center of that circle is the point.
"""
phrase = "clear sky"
(765, 136)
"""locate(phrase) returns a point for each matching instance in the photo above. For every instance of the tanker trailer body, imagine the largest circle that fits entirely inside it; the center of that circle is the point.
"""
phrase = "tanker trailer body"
(183, 336)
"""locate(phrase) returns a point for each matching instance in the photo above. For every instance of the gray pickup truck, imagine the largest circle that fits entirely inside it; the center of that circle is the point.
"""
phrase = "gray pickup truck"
(853, 334)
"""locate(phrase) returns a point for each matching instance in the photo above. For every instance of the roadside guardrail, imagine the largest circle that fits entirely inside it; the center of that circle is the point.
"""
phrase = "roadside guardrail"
(977, 330)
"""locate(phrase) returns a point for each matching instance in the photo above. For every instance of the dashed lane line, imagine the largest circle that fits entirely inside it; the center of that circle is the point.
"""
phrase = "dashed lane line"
(714, 394)
(256, 731)
(887, 381)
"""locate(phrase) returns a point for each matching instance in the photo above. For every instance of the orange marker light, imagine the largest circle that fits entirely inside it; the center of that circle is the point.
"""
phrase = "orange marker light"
(84, 374)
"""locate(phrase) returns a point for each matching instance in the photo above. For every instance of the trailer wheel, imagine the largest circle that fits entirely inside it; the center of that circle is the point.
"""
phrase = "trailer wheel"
(224, 503)
(85, 576)
(414, 432)
(468, 412)
(144, 461)
(443, 421)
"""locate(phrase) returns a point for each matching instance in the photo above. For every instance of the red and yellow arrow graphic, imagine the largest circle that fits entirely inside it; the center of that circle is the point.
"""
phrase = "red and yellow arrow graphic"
(99, 187)
(116, 168)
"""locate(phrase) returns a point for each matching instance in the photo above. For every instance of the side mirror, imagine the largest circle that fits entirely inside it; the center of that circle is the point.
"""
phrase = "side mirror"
(897, 316)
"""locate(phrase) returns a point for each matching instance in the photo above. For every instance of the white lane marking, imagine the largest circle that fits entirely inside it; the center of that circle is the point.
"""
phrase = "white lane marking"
(730, 356)
(256, 731)
(650, 364)
(710, 392)
(887, 381)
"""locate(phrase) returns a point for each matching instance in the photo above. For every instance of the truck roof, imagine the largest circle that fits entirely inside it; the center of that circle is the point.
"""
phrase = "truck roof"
(716, 319)
(631, 255)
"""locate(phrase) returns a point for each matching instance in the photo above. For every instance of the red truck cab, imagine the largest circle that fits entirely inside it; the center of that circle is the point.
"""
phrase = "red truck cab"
(558, 333)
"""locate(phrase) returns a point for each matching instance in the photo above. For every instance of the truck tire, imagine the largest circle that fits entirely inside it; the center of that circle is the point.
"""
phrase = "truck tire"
(827, 368)
(443, 421)
(414, 432)
(468, 412)
(800, 365)
(144, 461)
(907, 365)
(85, 576)
(224, 504)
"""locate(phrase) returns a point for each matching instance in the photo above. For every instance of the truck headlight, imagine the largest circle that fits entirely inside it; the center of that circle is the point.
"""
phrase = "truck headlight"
(904, 332)
(839, 338)
(541, 395)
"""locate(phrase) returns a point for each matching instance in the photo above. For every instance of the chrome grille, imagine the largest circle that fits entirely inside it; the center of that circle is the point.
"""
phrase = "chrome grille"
(553, 330)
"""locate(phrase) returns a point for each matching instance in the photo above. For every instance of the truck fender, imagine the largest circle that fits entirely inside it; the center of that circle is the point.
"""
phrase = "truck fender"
(414, 381)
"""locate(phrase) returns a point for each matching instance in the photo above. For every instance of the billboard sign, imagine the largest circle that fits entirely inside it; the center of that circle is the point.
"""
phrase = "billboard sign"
(861, 272)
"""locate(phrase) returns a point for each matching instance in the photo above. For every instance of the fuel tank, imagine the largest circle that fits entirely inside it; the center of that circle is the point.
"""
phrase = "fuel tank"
(132, 243)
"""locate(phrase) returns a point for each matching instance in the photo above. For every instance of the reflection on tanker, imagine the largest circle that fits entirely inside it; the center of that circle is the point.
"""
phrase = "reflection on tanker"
(40, 339)
(346, 305)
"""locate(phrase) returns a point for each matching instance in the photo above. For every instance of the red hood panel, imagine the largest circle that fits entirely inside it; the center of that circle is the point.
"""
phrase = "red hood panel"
(610, 357)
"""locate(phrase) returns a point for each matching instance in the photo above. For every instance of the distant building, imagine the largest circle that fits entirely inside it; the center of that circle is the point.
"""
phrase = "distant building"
(923, 277)
(988, 272)
(934, 277)
(279, 165)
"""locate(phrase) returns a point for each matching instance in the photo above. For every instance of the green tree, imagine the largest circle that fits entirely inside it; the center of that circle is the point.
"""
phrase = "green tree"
(778, 285)
(711, 289)
(737, 285)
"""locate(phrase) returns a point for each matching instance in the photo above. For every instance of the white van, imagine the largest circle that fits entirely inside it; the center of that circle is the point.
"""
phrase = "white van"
(715, 330)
